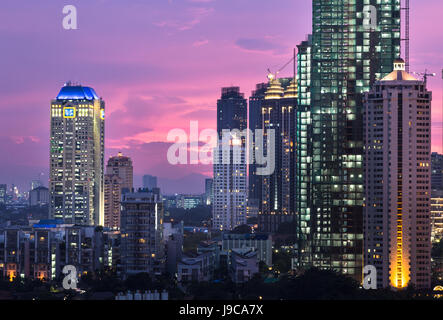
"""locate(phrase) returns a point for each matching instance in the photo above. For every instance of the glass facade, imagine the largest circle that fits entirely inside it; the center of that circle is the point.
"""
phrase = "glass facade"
(346, 58)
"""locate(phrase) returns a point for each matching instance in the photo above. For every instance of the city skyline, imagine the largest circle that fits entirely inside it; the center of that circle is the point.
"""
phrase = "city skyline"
(150, 86)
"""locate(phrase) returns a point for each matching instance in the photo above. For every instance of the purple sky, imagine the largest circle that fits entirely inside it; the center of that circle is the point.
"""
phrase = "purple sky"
(158, 64)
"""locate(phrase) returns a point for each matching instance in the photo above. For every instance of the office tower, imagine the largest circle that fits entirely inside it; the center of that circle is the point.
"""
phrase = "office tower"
(398, 180)
(347, 56)
(3, 189)
(208, 191)
(142, 233)
(122, 166)
(149, 182)
(436, 216)
(77, 156)
(437, 171)
(278, 189)
(230, 190)
(113, 194)
(39, 196)
(255, 123)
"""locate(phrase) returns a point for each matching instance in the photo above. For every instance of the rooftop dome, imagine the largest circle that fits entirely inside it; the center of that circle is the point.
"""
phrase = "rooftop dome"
(275, 90)
(76, 92)
(292, 90)
(399, 73)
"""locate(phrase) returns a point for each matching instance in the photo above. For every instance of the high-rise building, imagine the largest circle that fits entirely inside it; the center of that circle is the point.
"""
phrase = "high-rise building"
(3, 189)
(278, 189)
(397, 226)
(230, 190)
(232, 109)
(142, 233)
(77, 156)
(118, 180)
(255, 123)
(229, 185)
(149, 182)
(436, 216)
(437, 171)
(347, 56)
(209, 191)
(113, 194)
(122, 166)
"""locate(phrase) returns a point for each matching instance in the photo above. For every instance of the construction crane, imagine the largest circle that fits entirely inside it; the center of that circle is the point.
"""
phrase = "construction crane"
(425, 75)
(272, 75)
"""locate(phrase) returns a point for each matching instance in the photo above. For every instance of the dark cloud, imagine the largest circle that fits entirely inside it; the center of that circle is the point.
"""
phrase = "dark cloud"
(261, 45)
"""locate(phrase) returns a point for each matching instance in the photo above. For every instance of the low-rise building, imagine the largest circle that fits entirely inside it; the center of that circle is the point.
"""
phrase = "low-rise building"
(243, 266)
(173, 238)
(195, 268)
(260, 242)
(41, 251)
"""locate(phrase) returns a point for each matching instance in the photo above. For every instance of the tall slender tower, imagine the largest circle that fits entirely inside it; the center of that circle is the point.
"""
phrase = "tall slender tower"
(348, 53)
(230, 168)
(255, 122)
(397, 225)
(118, 180)
(278, 189)
(77, 156)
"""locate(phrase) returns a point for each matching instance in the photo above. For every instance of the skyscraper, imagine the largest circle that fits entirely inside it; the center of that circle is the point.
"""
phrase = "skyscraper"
(121, 166)
(347, 56)
(230, 190)
(255, 122)
(77, 156)
(397, 226)
(149, 182)
(278, 189)
(232, 110)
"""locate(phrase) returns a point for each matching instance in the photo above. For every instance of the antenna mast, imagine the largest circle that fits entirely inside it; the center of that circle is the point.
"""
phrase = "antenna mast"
(406, 33)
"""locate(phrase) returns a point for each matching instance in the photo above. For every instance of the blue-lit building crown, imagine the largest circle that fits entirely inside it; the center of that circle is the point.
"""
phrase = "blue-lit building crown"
(77, 92)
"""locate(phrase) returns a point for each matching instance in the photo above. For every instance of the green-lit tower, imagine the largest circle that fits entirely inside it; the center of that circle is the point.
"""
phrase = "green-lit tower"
(353, 43)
